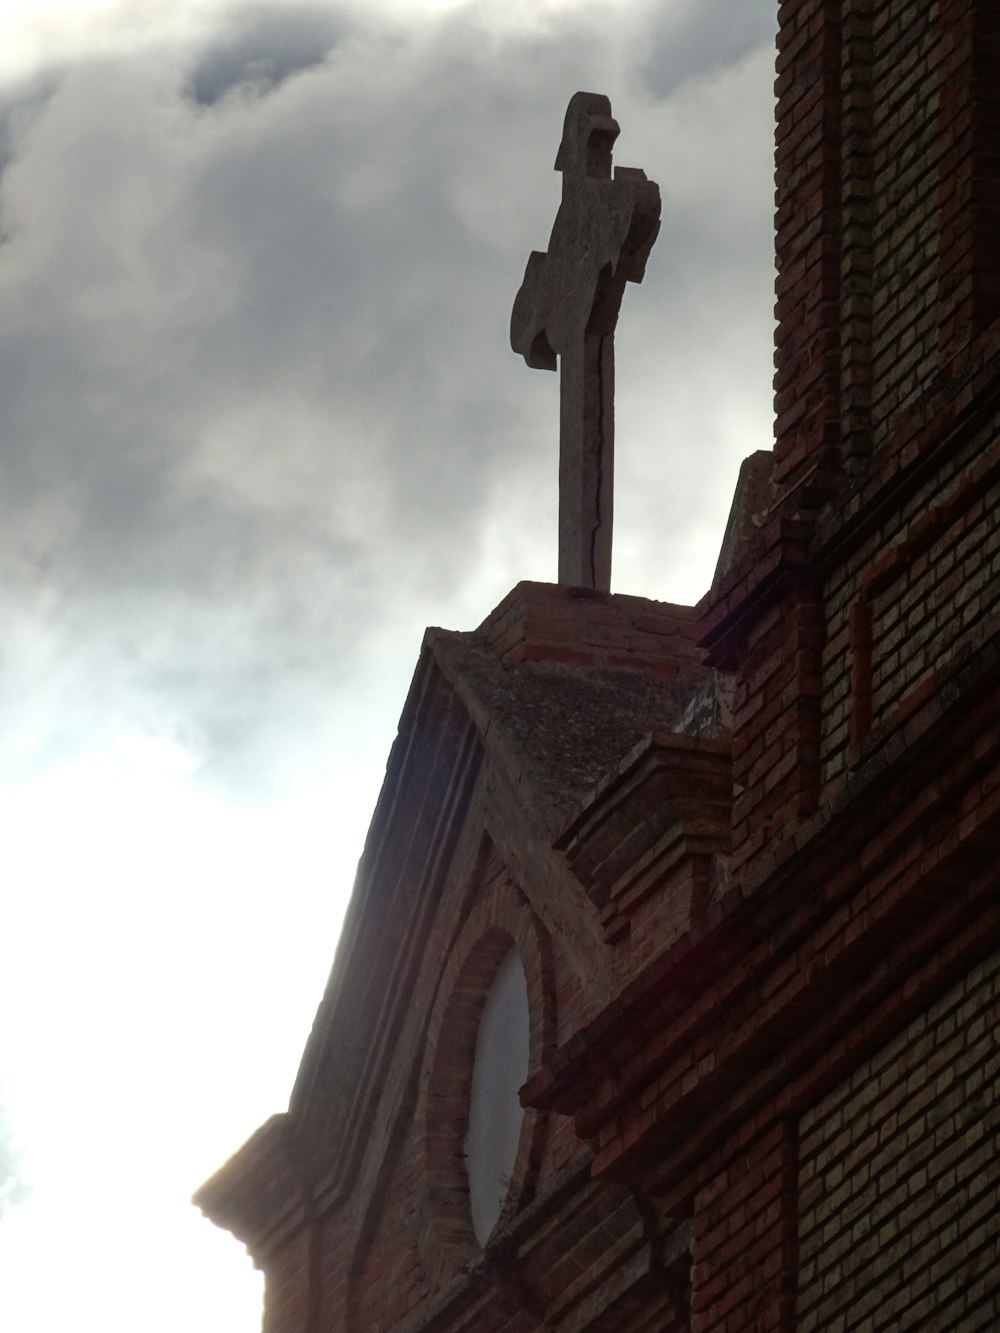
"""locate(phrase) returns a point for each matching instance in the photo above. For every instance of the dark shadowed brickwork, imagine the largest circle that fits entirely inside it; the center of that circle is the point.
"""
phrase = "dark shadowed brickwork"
(907, 163)
(748, 852)
(899, 1177)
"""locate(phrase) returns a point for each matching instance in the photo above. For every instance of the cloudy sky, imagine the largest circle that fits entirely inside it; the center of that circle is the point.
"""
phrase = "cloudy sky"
(259, 425)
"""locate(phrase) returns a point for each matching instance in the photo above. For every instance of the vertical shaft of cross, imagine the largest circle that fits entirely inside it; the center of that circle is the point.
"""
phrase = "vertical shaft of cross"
(586, 461)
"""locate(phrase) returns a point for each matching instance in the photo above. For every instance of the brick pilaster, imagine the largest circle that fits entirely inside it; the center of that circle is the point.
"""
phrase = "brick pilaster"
(744, 1241)
(809, 238)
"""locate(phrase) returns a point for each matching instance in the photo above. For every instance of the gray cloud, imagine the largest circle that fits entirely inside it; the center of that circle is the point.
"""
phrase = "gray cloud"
(261, 47)
(698, 37)
(259, 418)
(20, 102)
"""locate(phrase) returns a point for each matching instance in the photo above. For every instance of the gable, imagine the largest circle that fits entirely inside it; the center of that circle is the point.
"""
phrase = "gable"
(506, 735)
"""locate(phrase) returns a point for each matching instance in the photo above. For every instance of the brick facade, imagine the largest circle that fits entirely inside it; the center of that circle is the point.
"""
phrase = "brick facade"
(747, 851)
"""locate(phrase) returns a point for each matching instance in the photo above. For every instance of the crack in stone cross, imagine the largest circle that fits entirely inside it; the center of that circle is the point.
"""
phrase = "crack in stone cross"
(567, 308)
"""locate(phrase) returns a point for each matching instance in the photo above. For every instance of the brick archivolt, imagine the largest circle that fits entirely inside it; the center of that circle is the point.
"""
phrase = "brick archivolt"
(502, 918)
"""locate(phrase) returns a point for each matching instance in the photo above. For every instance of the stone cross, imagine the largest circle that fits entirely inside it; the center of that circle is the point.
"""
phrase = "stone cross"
(568, 306)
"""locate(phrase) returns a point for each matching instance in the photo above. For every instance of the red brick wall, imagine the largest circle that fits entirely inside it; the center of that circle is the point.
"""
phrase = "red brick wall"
(776, 723)
(391, 1280)
(288, 1288)
(888, 182)
(809, 234)
(900, 1178)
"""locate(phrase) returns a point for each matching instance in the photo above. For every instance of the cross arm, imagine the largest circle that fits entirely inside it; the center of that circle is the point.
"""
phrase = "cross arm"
(527, 320)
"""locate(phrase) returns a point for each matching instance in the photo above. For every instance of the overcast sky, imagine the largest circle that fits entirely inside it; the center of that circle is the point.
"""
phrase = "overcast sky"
(259, 425)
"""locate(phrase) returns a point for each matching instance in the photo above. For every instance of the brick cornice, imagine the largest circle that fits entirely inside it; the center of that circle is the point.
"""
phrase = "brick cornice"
(262, 1193)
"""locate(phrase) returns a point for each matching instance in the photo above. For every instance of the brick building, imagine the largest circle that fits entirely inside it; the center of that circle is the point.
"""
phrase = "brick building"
(726, 873)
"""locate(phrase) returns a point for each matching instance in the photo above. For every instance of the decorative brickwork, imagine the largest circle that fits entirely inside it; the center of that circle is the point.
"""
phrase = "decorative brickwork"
(913, 604)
